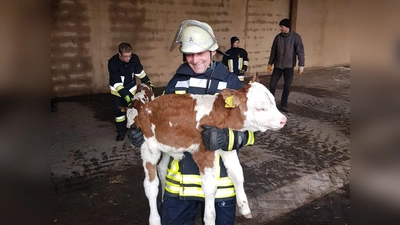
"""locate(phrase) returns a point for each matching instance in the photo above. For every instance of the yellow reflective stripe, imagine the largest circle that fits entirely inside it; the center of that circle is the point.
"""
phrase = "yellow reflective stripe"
(197, 191)
(191, 179)
(174, 176)
(119, 119)
(115, 93)
(230, 65)
(119, 87)
(250, 138)
(240, 63)
(133, 90)
(174, 165)
(114, 90)
(141, 74)
(172, 188)
(224, 182)
(189, 185)
(173, 172)
(180, 92)
(231, 139)
(246, 63)
(192, 191)
(225, 192)
(241, 78)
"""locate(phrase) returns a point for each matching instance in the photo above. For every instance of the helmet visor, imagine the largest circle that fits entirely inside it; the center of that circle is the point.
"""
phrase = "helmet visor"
(186, 23)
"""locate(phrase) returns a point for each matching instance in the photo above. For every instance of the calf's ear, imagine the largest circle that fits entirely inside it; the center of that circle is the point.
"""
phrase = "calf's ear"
(230, 97)
(227, 95)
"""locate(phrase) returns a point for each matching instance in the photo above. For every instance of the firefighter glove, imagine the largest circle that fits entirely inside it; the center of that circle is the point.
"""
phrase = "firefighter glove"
(215, 138)
(150, 84)
(135, 136)
(269, 69)
(128, 100)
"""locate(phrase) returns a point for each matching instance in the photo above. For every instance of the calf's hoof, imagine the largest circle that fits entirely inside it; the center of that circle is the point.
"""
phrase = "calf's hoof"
(248, 216)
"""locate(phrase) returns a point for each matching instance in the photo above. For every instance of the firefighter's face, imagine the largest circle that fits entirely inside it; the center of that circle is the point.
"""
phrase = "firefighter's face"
(125, 56)
(199, 62)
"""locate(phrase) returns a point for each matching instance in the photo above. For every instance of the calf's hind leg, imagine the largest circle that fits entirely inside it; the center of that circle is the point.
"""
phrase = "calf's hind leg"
(151, 182)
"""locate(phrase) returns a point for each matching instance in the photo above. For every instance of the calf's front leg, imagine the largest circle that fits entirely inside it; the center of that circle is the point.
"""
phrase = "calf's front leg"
(235, 172)
(209, 186)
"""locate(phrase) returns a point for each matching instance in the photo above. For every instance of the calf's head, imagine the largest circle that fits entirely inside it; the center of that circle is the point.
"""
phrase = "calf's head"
(258, 106)
(144, 93)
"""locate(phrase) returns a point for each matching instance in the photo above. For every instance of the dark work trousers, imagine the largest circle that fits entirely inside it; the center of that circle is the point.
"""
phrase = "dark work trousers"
(288, 78)
(183, 212)
(120, 117)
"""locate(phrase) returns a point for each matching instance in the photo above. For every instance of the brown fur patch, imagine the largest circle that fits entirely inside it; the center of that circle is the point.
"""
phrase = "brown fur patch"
(152, 171)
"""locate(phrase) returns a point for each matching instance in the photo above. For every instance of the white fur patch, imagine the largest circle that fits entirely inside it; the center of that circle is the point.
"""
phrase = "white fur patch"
(204, 105)
(148, 111)
(131, 114)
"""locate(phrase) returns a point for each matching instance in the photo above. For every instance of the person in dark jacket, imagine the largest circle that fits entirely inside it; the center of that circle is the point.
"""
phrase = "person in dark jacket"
(199, 74)
(124, 67)
(235, 59)
(286, 46)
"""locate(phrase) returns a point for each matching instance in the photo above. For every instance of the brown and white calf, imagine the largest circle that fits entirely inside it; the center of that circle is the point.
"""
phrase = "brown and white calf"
(171, 124)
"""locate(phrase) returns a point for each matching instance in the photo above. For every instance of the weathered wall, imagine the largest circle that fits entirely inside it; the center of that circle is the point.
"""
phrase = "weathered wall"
(323, 26)
(86, 33)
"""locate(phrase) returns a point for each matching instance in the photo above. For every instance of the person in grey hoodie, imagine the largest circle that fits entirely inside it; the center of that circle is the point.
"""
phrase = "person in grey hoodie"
(286, 46)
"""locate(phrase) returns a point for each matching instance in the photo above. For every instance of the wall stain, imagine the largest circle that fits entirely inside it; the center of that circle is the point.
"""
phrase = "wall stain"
(70, 60)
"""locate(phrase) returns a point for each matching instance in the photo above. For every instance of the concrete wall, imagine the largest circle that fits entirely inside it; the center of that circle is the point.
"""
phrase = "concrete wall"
(86, 33)
(323, 26)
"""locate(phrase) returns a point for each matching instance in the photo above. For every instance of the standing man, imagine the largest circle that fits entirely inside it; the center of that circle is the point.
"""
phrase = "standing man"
(236, 59)
(124, 67)
(199, 74)
(286, 46)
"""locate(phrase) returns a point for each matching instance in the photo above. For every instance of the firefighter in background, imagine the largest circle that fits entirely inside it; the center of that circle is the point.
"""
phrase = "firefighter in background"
(124, 67)
(235, 59)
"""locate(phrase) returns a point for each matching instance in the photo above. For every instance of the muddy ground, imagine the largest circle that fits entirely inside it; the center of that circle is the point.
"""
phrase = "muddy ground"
(118, 198)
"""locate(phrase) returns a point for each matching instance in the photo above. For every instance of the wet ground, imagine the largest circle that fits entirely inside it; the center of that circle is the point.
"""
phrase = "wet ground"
(298, 175)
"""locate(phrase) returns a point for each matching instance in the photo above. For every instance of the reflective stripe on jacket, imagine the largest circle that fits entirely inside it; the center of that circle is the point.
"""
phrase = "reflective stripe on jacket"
(188, 186)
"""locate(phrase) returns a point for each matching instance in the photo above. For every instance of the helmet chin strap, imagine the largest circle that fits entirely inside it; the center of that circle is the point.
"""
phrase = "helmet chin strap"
(211, 60)
(212, 72)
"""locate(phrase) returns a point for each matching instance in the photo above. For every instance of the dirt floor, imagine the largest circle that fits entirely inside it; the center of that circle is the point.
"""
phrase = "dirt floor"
(115, 198)
(299, 175)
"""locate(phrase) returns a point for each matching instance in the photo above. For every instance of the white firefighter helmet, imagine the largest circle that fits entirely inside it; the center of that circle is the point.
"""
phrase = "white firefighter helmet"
(194, 37)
